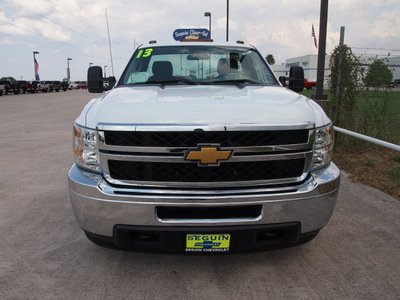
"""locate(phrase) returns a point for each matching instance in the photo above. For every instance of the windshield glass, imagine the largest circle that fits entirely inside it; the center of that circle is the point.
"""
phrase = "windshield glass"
(197, 65)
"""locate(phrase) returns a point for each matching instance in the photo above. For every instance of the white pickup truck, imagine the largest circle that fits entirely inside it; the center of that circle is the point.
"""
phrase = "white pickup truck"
(72, 85)
(198, 148)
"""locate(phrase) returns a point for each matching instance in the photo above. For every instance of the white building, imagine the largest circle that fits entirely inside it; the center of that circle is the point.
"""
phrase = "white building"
(309, 64)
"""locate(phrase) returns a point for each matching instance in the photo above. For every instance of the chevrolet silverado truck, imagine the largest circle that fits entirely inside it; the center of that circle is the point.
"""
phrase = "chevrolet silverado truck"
(198, 148)
(19, 87)
(44, 86)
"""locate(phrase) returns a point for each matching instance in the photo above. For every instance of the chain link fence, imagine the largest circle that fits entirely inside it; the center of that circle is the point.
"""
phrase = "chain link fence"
(374, 110)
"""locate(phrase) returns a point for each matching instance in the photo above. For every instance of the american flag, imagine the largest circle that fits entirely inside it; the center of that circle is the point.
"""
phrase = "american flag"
(37, 78)
(313, 35)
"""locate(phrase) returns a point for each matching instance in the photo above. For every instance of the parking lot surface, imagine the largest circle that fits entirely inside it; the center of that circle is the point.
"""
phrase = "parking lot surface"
(45, 255)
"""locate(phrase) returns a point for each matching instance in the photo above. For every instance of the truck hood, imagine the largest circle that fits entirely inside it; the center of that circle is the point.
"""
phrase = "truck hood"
(206, 105)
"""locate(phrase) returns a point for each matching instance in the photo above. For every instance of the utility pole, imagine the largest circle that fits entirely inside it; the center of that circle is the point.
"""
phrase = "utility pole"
(319, 95)
(227, 20)
(109, 43)
(68, 70)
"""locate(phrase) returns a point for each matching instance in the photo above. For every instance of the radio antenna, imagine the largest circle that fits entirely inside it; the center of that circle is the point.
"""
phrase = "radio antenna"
(109, 43)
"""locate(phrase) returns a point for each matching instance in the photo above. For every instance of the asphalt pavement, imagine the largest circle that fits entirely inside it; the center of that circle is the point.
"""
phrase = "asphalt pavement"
(45, 255)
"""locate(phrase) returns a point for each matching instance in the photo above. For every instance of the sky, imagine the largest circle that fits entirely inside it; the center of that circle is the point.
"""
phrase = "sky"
(77, 29)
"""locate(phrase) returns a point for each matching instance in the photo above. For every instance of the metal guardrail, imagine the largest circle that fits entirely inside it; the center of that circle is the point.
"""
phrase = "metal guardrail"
(368, 138)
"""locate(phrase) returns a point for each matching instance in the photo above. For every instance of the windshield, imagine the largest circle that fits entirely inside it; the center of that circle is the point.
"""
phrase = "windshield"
(197, 65)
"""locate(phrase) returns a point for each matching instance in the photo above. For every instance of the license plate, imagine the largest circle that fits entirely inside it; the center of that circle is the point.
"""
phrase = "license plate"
(207, 242)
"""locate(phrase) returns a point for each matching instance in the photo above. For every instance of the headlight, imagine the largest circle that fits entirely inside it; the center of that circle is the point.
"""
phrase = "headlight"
(323, 147)
(85, 148)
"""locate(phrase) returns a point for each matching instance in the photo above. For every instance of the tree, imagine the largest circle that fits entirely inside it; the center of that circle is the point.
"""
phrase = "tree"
(8, 78)
(270, 59)
(378, 75)
(344, 98)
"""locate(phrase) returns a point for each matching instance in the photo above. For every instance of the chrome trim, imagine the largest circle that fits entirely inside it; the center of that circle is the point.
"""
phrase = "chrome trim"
(180, 159)
(203, 221)
(205, 127)
(173, 150)
(220, 184)
(168, 191)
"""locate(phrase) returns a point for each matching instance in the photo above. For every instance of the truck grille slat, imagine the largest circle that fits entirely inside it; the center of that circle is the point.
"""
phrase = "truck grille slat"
(190, 172)
(192, 139)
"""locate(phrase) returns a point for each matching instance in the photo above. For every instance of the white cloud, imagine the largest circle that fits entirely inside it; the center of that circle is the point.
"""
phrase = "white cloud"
(282, 28)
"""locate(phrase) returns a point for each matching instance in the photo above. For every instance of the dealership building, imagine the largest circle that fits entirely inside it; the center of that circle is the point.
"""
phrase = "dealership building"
(310, 64)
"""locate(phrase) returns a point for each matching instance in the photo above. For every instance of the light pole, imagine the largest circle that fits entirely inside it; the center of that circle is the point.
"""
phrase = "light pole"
(105, 69)
(227, 20)
(68, 72)
(36, 66)
(208, 14)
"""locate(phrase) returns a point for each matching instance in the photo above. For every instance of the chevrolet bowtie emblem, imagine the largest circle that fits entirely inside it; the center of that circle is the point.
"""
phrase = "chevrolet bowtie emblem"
(208, 155)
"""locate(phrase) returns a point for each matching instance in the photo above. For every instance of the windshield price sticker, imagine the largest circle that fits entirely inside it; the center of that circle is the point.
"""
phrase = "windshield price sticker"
(145, 53)
(207, 242)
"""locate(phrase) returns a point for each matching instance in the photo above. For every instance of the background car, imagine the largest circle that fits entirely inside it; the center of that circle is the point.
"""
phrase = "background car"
(72, 85)
(82, 85)
(395, 83)
(7, 86)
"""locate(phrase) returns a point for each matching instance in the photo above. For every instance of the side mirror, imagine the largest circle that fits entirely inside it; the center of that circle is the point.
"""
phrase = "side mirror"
(95, 79)
(96, 82)
(110, 83)
(296, 79)
(282, 80)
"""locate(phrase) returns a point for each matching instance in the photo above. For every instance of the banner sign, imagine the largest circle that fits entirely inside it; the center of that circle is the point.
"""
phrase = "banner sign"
(196, 34)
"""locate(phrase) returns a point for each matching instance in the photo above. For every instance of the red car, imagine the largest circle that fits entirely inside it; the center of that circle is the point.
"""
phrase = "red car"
(82, 85)
(309, 84)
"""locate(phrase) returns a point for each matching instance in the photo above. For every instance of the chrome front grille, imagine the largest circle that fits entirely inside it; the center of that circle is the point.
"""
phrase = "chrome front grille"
(155, 155)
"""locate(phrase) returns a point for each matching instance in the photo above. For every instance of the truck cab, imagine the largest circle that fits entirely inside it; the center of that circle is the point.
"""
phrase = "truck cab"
(198, 148)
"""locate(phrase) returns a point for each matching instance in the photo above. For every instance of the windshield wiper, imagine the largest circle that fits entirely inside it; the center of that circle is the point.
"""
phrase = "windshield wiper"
(236, 81)
(173, 80)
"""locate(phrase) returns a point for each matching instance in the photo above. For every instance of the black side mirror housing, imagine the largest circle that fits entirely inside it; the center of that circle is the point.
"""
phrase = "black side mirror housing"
(96, 81)
(296, 79)
(282, 80)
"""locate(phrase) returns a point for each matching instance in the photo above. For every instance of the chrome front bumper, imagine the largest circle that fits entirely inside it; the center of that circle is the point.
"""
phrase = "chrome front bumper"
(98, 206)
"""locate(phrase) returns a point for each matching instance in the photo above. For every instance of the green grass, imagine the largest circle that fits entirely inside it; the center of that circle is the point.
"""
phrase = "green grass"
(369, 161)
(394, 174)
(396, 158)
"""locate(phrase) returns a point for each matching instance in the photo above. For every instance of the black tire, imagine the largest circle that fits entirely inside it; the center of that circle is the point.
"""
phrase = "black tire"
(313, 87)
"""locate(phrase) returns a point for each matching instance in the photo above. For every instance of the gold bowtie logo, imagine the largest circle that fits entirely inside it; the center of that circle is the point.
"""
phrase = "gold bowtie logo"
(208, 155)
